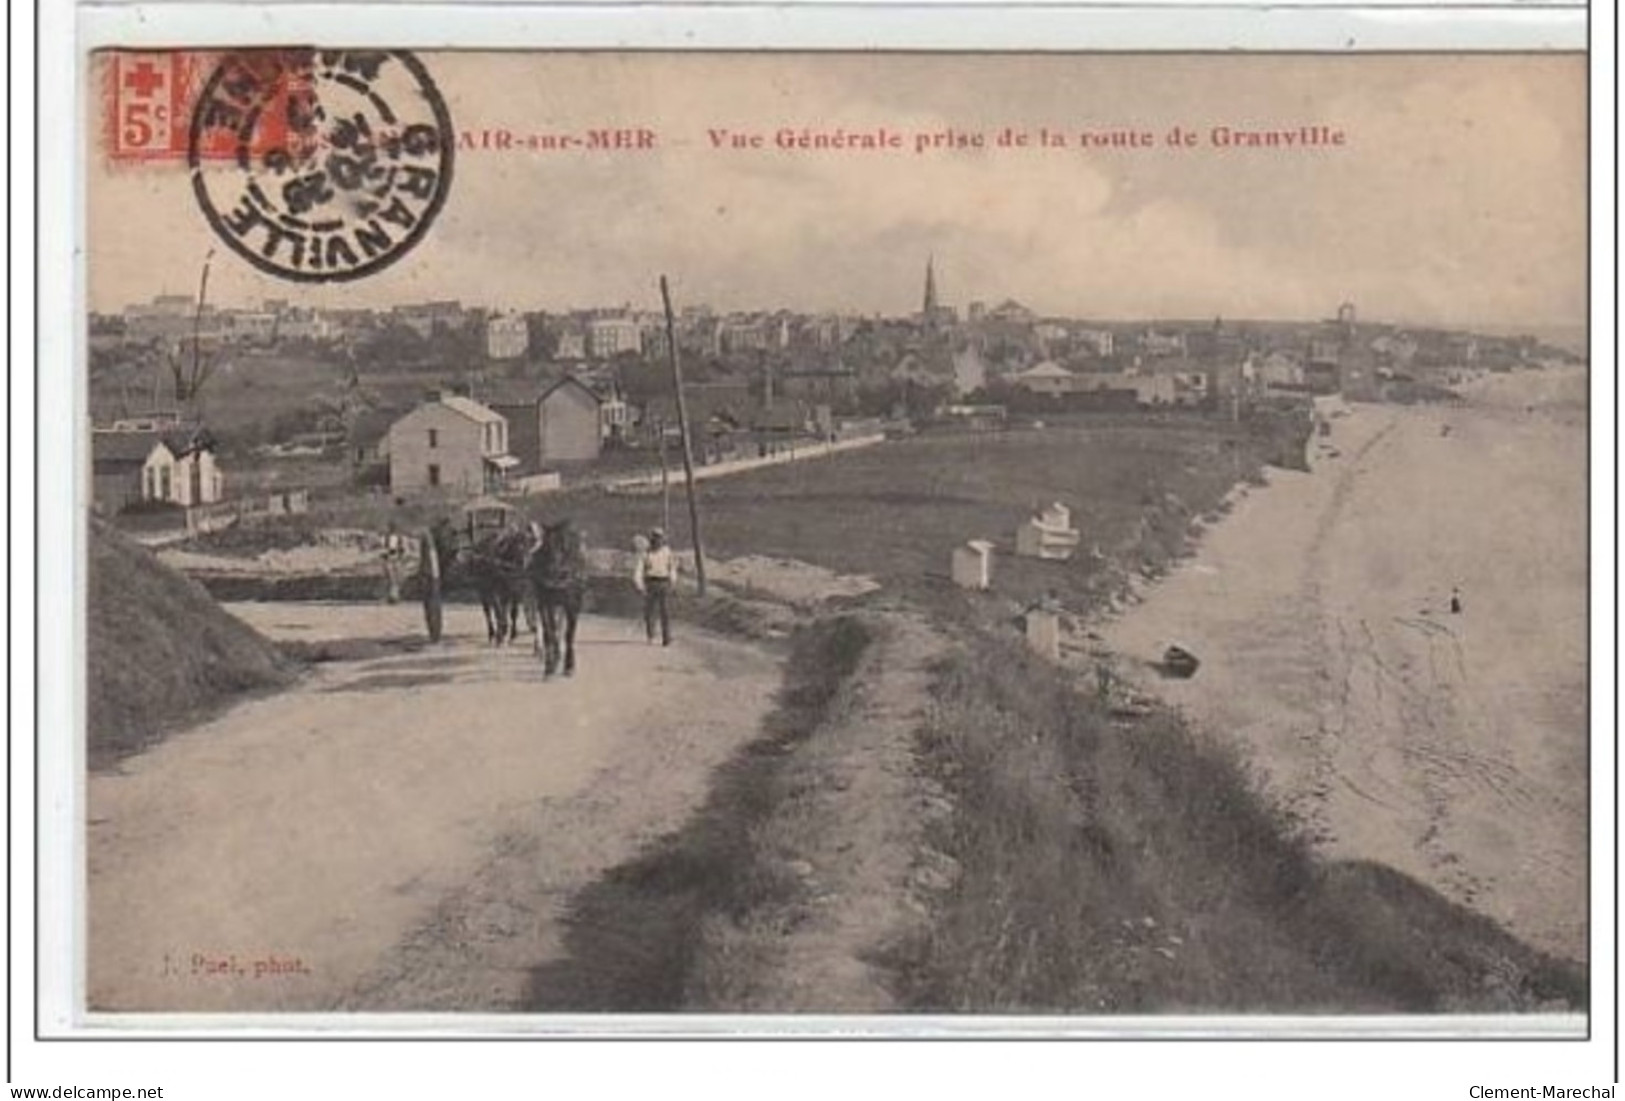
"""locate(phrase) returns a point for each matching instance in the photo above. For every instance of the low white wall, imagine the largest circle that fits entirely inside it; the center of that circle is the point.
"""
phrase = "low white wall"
(814, 449)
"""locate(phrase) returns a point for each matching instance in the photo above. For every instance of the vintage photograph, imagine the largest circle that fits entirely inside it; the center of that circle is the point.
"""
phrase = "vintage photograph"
(1070, 535)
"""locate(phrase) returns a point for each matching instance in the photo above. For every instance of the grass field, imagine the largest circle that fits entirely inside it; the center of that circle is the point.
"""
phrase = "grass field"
(895, 512)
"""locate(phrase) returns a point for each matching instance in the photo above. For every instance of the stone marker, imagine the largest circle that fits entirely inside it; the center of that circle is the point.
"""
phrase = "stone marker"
(973, 565)
(1044, 632)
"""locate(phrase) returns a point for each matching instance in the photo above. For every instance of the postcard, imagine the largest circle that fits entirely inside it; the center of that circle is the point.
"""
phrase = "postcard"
(1087, 540)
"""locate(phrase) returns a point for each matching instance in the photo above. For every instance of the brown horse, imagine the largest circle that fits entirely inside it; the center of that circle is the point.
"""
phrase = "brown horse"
(497, 566)
(558, 577)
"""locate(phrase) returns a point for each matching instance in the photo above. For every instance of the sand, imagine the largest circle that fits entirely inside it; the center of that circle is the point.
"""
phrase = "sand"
(1450, 745)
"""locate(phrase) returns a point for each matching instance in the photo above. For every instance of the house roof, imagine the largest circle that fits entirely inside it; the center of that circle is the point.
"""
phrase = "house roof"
(134, 447)
(471, 409)
(1047, 369)
(569, 381)
(123, 447)
(509, 394)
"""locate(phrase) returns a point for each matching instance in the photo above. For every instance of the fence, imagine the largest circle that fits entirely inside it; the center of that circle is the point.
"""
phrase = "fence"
(811, 449)
(223, 514)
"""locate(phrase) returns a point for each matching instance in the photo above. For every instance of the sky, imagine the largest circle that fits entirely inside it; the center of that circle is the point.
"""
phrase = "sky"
(1459, 196)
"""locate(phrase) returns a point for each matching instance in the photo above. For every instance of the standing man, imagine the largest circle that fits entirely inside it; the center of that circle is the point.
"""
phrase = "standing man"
(654, 575)
(394, 558)
(433, 556)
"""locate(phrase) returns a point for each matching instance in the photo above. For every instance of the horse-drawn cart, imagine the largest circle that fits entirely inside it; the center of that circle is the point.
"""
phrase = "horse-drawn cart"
(484, 515)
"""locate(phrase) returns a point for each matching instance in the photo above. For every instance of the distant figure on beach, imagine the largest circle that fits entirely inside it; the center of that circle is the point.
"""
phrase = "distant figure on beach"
(1455, 600)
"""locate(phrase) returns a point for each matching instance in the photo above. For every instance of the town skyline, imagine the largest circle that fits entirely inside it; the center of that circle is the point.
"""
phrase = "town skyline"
(1551, 330)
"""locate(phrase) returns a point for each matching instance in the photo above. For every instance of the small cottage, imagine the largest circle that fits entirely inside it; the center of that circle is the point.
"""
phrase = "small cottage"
(176, 467)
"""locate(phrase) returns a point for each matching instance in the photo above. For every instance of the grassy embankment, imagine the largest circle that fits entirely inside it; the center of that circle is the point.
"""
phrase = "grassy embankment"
(159, 649)
(1135, 869)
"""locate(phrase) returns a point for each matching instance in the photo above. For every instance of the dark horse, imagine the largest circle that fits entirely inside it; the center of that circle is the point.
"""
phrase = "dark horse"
(558, 577)
(496, 564)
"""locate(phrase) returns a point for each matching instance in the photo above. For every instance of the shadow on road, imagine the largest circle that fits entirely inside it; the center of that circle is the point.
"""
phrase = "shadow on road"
(635, 935)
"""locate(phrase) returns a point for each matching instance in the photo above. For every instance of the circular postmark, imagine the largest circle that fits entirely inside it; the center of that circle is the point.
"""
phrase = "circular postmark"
(320, 165)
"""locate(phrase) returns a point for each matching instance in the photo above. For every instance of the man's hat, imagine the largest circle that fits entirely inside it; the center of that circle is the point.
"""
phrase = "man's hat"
(657, 533)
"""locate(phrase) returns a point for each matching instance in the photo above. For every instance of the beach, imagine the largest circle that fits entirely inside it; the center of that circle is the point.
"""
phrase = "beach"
(1397, 641)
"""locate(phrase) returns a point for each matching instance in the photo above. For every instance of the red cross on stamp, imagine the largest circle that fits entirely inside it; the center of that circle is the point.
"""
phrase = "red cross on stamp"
(143, 100)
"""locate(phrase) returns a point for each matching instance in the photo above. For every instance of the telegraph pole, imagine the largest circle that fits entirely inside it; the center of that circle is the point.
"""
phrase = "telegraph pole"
(195, 381)
(682, 426)
(665, 480)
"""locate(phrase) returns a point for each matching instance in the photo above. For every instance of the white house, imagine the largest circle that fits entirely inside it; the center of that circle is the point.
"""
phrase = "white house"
(451, 443)
(177, 468)
(507, 336)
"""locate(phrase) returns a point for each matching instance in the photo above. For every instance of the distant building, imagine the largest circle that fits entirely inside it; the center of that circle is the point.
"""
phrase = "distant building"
(743, 334)
(1097, 341)
(564, 424)
(571, 422)
(614, 415)
(177, 467)
(1340, 362)
(1279, 371)
(610, 336)
(507, 336)
(1011, 312)
(933, 314)
(248, 326)
(572, 345)
(826, 332)
(1148, 389)
(450, 443)
(1047, 377)
(970, 372)
(166, 317)
(779, 428)
(1153, 343)
(1191, 379)
(304, 325)
(423, 318)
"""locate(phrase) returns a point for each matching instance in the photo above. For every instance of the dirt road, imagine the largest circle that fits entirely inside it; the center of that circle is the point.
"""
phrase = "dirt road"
(291, 853)
(1451, 745)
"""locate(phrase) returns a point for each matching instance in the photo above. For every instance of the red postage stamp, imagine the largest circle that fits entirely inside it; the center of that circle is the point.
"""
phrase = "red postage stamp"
(149, 102)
